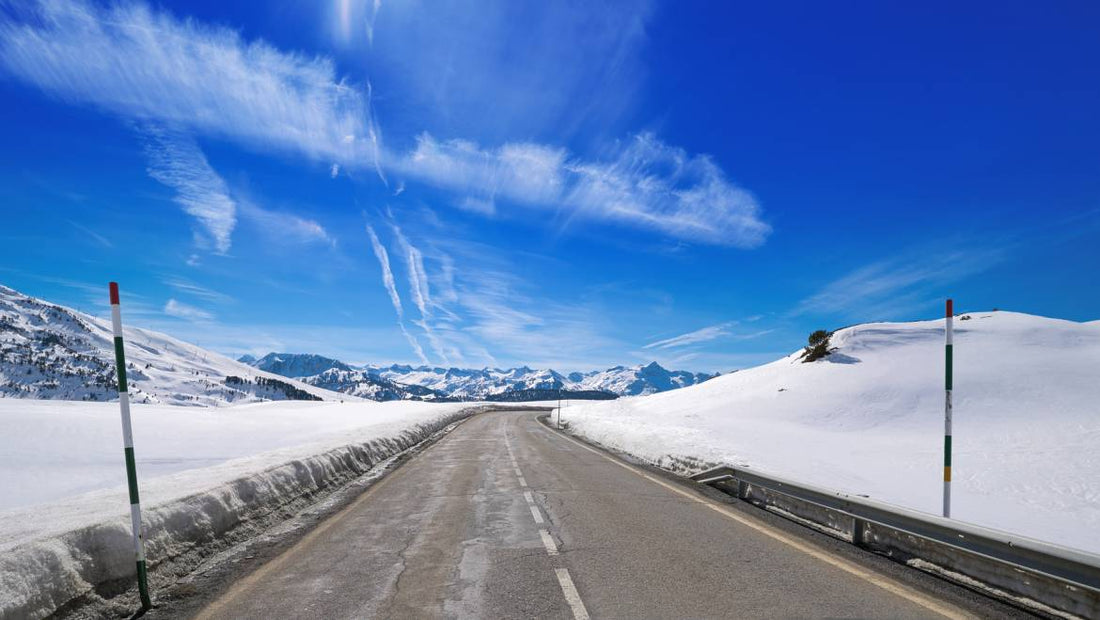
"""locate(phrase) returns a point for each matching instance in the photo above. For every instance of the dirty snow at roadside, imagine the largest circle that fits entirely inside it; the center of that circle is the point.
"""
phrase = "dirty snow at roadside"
(869, 419)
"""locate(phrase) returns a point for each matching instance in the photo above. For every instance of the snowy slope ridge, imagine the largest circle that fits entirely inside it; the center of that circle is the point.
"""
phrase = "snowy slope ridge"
(54, 553)
(869, 419)
(52, 352)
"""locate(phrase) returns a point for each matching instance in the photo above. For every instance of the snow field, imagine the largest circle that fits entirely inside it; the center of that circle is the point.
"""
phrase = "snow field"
(869, 420)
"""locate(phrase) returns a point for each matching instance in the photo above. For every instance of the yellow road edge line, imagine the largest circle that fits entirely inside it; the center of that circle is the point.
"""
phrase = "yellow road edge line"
(904, 592)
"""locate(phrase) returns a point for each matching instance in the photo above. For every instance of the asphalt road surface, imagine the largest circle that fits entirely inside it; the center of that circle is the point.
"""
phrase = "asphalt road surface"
(504, 518)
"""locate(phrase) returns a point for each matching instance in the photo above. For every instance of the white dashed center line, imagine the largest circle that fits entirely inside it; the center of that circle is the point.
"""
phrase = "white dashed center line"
(548, 542)
(567, 587)
(571, 595)
(537, 515)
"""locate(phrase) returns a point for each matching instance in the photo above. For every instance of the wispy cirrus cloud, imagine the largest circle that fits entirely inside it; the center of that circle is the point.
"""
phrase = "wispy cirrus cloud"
(721, 331)
(91, 234)
(176, 161)
(187, 312)
(285, 226)
(149, 67)
(705, 334)
(190, 288)
(388, 281)
(146, 65)
(420, 290)
(643, 183)
(573, 66)
(387, 272)
(888, 287)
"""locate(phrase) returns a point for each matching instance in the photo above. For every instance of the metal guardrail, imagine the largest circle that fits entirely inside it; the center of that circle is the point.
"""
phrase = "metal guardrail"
(1060, 578)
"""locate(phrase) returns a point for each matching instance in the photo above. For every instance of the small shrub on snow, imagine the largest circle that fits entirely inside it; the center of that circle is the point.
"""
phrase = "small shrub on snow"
(818, 347)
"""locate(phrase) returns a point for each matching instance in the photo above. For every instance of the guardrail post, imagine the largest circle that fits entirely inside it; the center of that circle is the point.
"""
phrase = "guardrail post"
(859, 532)
(742, 489)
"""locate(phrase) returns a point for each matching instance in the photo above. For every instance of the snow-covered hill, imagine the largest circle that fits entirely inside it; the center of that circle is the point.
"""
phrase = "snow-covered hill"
(49, 351)
(868, 419)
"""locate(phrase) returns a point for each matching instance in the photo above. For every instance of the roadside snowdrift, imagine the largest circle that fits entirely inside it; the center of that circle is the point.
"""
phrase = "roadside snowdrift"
(203, 473)
(869, 419)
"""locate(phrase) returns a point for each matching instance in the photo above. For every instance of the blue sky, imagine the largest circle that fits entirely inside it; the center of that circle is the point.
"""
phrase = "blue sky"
(564, 184)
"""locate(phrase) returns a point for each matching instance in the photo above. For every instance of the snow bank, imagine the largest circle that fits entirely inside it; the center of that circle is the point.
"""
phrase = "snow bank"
(869, 419)
(203, 472)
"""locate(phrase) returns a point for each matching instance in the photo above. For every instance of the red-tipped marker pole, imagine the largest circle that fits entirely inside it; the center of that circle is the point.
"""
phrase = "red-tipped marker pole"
(948, 337)
(128, 450)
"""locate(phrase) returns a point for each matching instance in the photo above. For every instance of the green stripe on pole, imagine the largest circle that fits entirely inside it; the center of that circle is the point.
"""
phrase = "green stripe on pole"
(120, 361)
(131, 475)
(948, 380)
(947, 451)
(143, 585)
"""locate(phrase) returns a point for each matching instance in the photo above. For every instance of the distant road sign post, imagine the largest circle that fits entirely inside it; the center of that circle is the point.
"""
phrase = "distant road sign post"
(559, 408)
(128, 451)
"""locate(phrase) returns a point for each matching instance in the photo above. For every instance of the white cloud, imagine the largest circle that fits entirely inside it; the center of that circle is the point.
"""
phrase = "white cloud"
(644, 183)
(421, 292)
(190, 288)
(391, 288)
(387, 273)
(334, 171)
(285, 226)
(705, 334)
(176, 161)
(572, 68)
(146, 65)
(889, 287)
(185, 311)
(417, 349)
(93, 235)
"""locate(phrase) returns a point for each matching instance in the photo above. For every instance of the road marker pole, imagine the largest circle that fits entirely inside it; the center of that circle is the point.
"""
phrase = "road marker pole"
(128, 450)
(559, 409)
(948, 345)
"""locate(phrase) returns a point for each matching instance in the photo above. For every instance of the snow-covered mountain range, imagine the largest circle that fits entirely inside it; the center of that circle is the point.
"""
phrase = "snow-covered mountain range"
(475, 384)
(52, 352)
